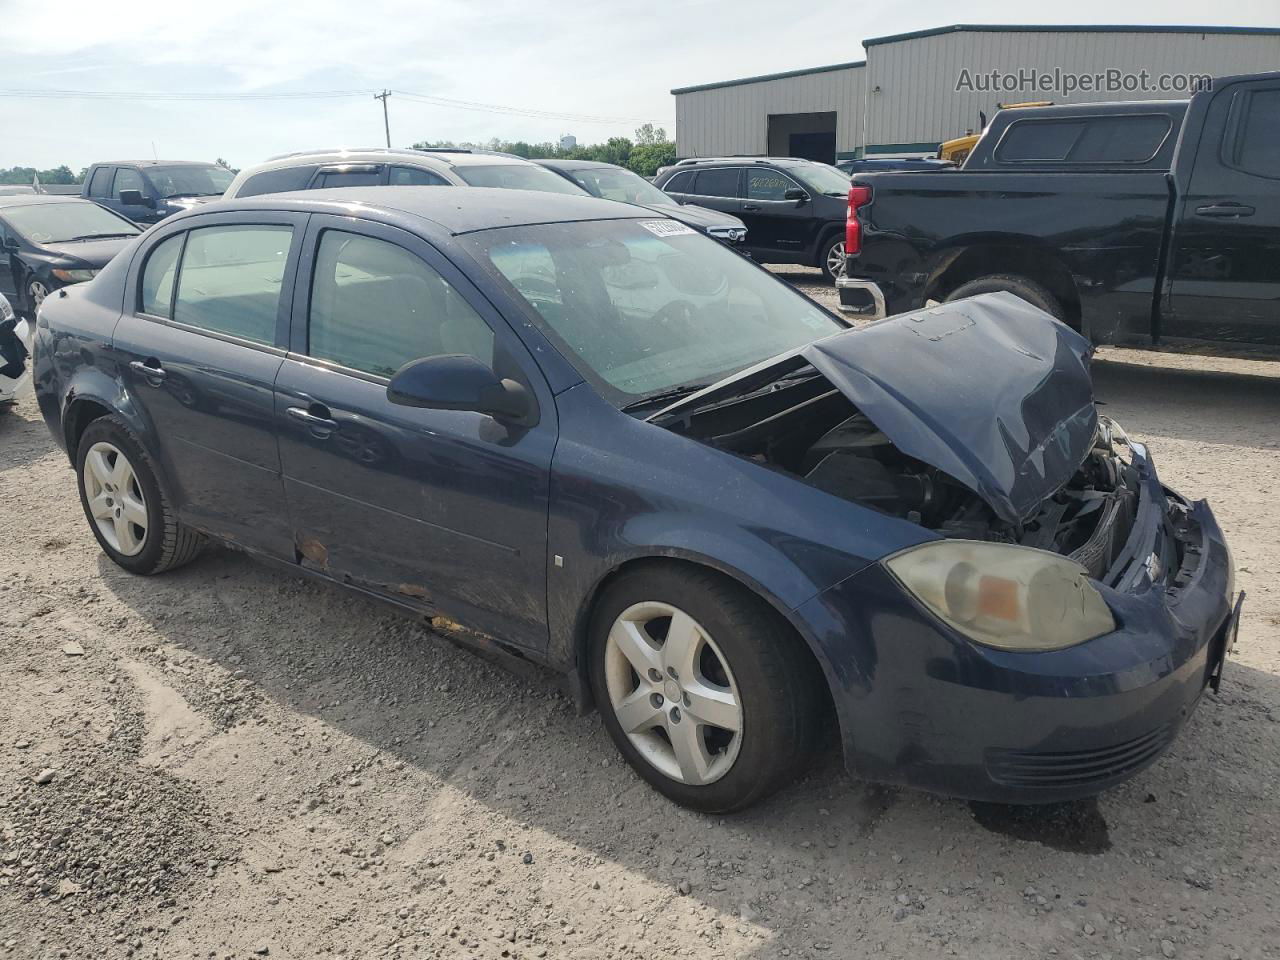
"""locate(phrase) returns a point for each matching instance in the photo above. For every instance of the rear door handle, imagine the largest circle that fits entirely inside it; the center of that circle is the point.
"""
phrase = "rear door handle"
(150, 370)
(1225, 209)
(317, 419)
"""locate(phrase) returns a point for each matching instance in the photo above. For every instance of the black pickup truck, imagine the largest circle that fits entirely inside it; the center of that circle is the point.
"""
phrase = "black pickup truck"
(1140, 221)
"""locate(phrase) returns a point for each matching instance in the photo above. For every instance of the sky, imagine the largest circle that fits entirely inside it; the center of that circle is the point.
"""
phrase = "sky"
(593, 69)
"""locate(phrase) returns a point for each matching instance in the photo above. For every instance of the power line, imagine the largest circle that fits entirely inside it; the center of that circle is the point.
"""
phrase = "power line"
(447, 102)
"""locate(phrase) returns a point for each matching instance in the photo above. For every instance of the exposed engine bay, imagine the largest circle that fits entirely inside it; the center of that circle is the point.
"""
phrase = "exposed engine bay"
(802, 425)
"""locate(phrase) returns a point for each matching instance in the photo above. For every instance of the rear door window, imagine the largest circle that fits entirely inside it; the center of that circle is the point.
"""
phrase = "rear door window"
(157, 277)
(230, 277)
(719, 182)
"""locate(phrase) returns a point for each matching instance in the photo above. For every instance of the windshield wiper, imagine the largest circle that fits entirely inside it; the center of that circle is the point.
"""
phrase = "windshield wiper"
(95, 236)
(666, 396)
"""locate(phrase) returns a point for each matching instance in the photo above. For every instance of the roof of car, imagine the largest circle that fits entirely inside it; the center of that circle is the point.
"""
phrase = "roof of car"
(383, 155)
(457, 211)
(739, 161)
(32, 199)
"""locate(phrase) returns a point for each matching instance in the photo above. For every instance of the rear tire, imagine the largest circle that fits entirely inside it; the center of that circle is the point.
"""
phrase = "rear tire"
(122, 500)
(745, 658)
(1030, 291)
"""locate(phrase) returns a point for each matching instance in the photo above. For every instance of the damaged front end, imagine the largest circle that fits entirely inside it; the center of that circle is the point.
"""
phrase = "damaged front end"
(973, 419)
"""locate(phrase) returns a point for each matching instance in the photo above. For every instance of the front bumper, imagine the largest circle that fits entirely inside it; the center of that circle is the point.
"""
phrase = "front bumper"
(923, 706)
(860, 298)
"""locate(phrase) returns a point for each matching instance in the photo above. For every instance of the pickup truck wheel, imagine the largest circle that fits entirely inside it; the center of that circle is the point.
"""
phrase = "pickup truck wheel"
(708, 694)
(832, 258)
(127, 512)
(1028, 290)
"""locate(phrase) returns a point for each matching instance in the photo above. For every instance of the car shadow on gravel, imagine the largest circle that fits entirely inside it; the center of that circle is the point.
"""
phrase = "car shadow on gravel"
(514, 745)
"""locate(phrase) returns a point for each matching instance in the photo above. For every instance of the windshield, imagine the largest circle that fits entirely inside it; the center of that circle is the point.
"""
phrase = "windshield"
(615, 183)
(646, 307)
(191, 180)
(823, 178)
(73, 220)
(516, 176)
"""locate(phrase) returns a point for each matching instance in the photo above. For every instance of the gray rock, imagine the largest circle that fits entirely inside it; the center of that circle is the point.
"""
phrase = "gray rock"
(72, 649)
(1167, 948)
(44, 776)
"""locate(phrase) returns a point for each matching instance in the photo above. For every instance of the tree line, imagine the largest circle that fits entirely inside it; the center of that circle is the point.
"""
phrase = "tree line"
(645, 154)
(24, 175)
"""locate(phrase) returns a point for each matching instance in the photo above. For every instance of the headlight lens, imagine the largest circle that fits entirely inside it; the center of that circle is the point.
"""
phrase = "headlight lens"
(1005, 596)
(74, 276)
(6, 308)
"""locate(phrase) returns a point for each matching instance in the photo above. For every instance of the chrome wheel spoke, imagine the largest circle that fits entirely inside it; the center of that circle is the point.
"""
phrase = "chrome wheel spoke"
(99, 466)
(125, 537)
(714, 706)
(100, 507)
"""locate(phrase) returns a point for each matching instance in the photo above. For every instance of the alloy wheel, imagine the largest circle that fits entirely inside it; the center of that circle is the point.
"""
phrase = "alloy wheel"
(673, 693)
(37, 291)
(115, 498)
(835, 259)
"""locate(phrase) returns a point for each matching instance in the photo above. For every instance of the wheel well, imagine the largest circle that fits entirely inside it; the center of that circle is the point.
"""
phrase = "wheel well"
(1032, 263)
(824, 238)
(581, 628)
(79, 415)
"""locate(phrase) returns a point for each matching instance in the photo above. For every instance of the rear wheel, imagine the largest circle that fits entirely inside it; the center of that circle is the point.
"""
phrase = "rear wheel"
(122, 500)
(706, 691)
(1030, 291)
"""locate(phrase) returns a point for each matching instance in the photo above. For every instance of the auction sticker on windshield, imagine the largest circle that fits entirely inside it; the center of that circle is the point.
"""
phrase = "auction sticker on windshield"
(666, 228)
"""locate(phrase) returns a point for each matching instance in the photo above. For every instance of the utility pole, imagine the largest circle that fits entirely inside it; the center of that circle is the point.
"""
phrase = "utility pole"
(386, 122)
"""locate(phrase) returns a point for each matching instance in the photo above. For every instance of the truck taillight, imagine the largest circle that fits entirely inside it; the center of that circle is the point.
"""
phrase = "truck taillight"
(859, 196)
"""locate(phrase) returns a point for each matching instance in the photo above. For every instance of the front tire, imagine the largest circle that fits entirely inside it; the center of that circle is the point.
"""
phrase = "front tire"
(832, 262)
(127, 512)
(706, 691)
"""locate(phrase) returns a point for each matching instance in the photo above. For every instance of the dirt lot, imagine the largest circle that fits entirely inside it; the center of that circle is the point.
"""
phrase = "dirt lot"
(229, 762)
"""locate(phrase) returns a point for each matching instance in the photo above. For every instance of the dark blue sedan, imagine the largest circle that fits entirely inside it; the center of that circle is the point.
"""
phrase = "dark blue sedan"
(607, 443)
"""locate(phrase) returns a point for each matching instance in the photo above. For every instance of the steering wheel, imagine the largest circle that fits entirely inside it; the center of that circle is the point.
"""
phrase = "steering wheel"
(674, 313)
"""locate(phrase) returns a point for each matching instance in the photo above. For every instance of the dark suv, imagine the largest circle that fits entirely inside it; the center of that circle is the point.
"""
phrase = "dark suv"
(794, 210)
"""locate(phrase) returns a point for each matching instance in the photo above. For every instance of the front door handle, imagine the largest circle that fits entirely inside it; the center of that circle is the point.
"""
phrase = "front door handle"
(317, 419)
(150, 369)
(1225, 209)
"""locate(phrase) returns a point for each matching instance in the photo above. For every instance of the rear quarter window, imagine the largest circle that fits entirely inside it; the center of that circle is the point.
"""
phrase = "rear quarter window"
(277, 181)
(1086, 140)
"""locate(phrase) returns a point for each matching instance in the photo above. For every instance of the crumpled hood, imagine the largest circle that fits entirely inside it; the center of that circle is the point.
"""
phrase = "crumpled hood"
(990, 390)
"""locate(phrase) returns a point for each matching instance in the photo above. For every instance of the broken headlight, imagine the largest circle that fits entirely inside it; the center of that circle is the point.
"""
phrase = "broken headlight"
(1005, 596)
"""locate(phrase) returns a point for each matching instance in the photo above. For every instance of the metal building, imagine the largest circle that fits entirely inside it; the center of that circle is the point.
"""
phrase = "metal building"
(915, 90)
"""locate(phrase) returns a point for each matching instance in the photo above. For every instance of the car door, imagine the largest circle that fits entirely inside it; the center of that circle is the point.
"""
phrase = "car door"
(199, 346)
(446, 509)
(718, 188)
(1224, 265)
(99, 188)
(775, 225)
(131, 178)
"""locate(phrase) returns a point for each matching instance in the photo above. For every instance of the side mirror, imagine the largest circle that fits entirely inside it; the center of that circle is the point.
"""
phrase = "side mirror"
(134, 198)
(457, 382)
(795, 193)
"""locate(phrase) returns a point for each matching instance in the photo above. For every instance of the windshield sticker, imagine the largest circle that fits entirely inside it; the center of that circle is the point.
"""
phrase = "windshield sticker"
(666, 228)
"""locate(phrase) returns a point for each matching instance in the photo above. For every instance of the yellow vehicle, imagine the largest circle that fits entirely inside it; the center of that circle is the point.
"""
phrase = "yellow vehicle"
(958, 150)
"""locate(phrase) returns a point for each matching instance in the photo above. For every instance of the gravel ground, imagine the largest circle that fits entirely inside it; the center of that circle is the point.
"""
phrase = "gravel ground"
(230, 762)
